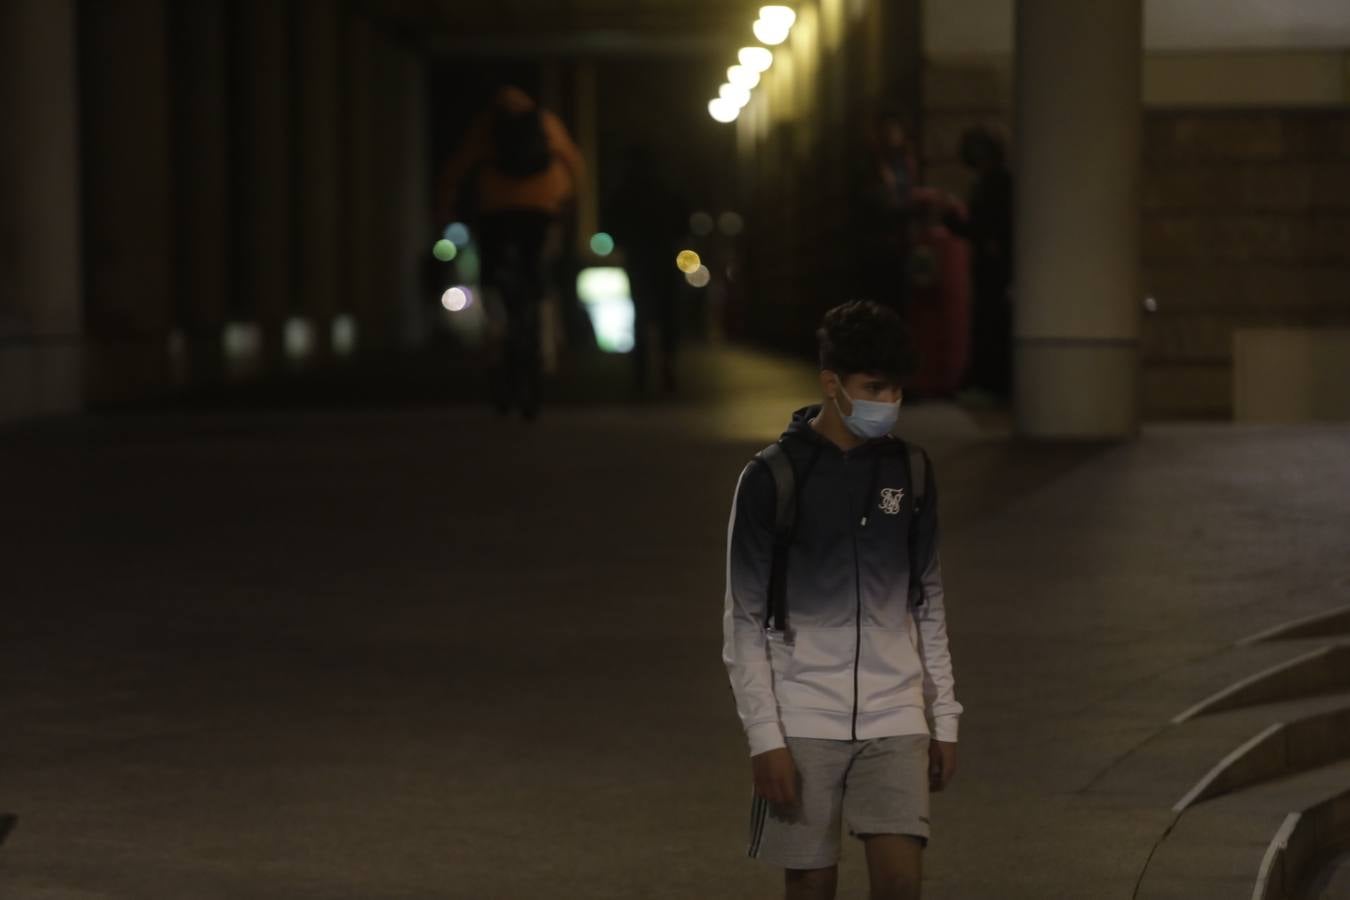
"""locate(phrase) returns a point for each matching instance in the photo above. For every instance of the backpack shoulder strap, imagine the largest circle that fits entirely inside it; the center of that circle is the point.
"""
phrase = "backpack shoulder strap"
(787, 488)
(775, 458)
(918, 475)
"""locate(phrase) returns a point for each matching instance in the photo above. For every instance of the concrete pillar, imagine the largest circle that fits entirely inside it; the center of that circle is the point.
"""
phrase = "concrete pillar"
(319, 195)
(263, 144)
(414, 191)
(902, 64)
(200, 106)
(1077, 222)
(360, 184)
(129, 240)
(399, 238)
(40, 299)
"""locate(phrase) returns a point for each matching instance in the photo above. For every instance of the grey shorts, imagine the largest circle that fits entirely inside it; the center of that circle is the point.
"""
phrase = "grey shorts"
(876, 786)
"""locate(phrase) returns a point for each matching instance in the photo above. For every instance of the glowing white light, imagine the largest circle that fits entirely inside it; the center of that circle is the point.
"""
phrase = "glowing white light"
(242, 344)
(770, 33)
(733, 94)
(782, 16)
(598, 283)
(756, 59)
(723, 110)
(456, 299)
(344, 335)
(605, 293)
(242, 339)
(699, 277)
(299, 338)
(743, 77)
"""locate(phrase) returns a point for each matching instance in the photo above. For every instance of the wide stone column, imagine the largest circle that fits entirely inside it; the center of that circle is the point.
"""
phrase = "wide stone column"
(1076, 295)
(130, 242)
(202, 209)
(361, 291)
(319, 195)
(40, 289)
(265, 212)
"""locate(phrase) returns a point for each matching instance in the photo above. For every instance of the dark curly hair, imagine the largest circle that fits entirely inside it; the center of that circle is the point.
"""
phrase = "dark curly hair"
(864, 336)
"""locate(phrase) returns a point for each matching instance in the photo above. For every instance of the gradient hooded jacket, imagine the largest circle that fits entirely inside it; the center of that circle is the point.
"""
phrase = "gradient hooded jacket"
(857, 661)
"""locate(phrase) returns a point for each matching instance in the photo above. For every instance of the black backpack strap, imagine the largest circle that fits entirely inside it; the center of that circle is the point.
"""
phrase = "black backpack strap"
(785, 487)
(920, 534)
(787, 491)
(918, 476)
(775, 458)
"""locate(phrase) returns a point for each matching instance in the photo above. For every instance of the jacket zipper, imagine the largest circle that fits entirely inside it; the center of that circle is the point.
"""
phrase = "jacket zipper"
(857, 622)
(857, 588)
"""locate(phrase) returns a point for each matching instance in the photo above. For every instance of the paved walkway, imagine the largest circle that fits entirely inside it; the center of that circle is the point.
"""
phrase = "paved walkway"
(432, 654)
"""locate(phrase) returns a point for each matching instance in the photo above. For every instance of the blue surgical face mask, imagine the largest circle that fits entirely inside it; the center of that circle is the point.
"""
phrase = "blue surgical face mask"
(870, 418)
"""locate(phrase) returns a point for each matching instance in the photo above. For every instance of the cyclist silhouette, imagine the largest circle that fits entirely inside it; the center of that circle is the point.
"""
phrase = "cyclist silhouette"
(519, 171)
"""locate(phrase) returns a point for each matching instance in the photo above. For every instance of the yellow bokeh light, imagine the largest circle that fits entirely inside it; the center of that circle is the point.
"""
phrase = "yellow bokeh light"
(738, 96)
(723, 110)
(770, 33)
(779, 16)
(687, 261)
(756, 59)
(743, 77)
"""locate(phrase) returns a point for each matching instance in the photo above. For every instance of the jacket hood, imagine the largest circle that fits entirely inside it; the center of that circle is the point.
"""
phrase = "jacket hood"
(800, 426)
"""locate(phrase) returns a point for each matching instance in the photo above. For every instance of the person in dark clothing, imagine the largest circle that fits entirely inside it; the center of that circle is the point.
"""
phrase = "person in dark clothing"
(883, 188)
(647, 217)
(988, 225)
(512, 250)
(521, 169)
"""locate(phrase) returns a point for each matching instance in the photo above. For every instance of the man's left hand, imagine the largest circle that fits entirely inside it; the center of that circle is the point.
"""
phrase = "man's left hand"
(941, 764)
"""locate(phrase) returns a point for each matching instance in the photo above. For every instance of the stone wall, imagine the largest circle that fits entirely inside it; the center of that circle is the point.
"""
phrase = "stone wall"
(1246, 222)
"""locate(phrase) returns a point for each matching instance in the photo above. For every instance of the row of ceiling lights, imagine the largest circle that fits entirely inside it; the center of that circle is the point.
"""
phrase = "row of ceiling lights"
(770, 29)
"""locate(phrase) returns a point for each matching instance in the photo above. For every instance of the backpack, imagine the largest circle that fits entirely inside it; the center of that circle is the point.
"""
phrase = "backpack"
(787, 488)
(520, 145)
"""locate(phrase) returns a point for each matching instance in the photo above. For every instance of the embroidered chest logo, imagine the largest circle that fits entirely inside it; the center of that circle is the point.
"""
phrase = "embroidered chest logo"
(890, 500)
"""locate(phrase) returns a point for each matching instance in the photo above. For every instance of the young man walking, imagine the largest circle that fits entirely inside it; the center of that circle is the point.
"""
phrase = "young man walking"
(834, 629)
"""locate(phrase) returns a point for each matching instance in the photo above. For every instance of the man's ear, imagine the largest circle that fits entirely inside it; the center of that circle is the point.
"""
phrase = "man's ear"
(828, 383)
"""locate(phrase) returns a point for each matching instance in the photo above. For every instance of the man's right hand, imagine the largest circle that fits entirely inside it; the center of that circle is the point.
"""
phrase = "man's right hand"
(776, 777)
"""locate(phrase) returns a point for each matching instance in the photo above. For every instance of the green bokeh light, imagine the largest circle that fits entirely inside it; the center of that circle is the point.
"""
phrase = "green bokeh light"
(602, 244)
(444, 250)
(467, 266)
